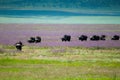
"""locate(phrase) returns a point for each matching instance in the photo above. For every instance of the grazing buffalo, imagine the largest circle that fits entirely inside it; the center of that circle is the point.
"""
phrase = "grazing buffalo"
(38, 39)
(31, 40)
(83, 38)
(115, 37)
(95, 38)
(66, 38)
(103, 37)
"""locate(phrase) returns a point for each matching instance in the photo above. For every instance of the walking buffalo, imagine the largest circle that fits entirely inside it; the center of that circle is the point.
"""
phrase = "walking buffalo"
(66, 38)
(34, 39)
(31, 40)
(103, 37)
(95, 38)
(63, 39)
(83, 38)
(19, 46)
(115, 37)
(38, 39)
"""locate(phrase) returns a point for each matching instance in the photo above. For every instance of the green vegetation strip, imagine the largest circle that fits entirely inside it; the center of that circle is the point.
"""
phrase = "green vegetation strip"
(8, 61)
(36, 69)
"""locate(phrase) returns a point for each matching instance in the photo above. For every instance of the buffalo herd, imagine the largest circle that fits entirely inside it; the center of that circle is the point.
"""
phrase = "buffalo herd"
(96, 37)
(66, 38)
(34, 39)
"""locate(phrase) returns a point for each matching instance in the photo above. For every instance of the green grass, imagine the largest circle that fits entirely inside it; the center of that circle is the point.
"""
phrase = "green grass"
(59, 63)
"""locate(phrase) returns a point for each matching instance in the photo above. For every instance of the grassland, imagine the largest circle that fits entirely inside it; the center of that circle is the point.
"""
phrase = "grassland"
(59, 63)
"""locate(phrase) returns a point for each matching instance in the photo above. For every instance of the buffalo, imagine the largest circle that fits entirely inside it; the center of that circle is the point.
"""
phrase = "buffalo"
(83, 38)
(63, 39)
(31, 40)
(103, 37)
(115, 37)
(34, 39)
(38, 39)
(95, 38)
(19, 46)
(66, 38)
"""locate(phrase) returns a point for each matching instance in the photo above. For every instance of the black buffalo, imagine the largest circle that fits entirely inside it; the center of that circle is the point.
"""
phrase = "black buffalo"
(95, 38)
(66, 38)
(103, 37)
(19, 46)
(38, 39)
(83, 38)
(31, 40)
(115, 37)
(63, 39)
